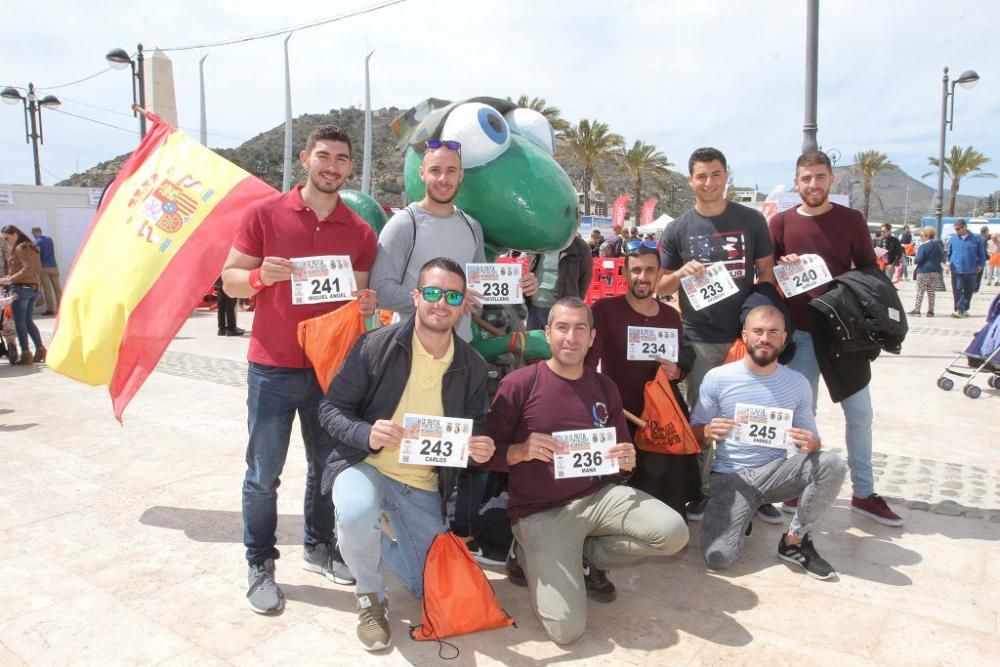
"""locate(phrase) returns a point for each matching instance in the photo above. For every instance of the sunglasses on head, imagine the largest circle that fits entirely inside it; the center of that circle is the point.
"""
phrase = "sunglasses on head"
(433, 294)
(434, 144)
(636, 244)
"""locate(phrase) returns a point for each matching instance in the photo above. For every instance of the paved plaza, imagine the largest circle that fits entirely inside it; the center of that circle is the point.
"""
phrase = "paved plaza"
(123, 544)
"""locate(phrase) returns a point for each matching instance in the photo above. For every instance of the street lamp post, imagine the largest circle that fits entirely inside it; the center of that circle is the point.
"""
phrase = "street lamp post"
(967, 80)
(32, 118)
(119, 59)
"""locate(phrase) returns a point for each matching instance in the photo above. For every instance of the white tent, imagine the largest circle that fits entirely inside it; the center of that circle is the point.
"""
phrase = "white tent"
(656, 226)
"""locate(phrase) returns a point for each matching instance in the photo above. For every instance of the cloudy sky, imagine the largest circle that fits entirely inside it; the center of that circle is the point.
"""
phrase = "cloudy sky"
(675, 73)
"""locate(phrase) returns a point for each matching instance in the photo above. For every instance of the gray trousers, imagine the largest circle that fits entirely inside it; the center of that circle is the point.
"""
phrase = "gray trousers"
(706, 357)
(614, 527)
(815, 480)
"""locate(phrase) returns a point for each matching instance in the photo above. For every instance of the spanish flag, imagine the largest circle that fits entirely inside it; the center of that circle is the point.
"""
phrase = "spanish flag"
(156, 245)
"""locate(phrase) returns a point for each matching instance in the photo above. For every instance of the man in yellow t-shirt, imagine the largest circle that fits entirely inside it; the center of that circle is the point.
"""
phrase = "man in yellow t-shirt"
(415, 367)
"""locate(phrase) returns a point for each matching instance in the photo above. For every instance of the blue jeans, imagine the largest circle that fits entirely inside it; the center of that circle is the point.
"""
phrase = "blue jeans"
(273, 398)
(361, 494)
(962, 286)
(815, 480)
(857, 413)
(23, 309)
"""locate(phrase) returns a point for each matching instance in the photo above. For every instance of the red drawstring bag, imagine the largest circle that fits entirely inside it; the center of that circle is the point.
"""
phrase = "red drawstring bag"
(458, 598)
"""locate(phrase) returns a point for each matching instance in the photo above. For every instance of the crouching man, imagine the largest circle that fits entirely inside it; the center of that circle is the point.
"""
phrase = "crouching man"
(419, 367)
(754, 410)
(571, 520)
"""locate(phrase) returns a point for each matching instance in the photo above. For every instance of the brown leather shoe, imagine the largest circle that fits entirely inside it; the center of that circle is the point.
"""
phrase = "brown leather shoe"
(27, 359)
(40, 355)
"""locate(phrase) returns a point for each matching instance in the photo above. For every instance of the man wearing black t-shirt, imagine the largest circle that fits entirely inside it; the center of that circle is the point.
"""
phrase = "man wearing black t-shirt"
(715, 230)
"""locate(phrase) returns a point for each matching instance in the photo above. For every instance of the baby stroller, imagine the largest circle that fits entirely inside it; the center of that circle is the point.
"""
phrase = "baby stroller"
(982, 356)
(8, 335)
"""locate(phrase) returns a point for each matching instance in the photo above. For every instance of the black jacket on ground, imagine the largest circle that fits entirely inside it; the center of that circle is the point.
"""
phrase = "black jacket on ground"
(368, 388)
(858, 317)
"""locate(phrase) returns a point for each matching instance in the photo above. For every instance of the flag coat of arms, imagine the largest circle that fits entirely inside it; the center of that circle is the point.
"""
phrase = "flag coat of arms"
(156, 245)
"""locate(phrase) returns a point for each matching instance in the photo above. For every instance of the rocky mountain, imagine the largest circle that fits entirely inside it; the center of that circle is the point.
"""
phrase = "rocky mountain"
(262, 156)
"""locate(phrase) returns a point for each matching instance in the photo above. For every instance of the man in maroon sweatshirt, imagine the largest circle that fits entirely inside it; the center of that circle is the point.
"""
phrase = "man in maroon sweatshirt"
(569, 529)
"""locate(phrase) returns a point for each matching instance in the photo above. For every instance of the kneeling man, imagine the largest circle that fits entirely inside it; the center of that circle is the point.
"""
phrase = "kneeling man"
(570, 517)
(419, 367)
(754, 410)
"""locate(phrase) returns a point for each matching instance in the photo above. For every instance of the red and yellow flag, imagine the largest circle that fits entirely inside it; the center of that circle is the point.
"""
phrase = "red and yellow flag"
(156, 245)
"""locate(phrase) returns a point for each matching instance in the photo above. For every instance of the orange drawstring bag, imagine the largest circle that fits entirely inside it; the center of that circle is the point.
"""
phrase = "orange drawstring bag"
(458, 598)
(665, 430)
(737, 351)
(328, 339)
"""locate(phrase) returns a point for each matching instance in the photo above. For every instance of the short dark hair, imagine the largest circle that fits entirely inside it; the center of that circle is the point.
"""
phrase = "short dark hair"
(960, 221)
(575, 303)
(885, 225)
(328, 133)
(639, 252)
(706, 154)
(443, 263)
(813, 158)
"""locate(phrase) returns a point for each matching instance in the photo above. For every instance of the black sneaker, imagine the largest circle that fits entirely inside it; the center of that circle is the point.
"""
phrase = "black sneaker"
(770, 514)
(326, 560)
(514, 571)
(804, 555)
(599, 588)
(486, 553)
(696, 509)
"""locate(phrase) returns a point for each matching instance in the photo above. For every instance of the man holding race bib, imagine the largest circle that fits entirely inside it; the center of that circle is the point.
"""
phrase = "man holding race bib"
(406, 412)
(712, 254)
(286, 254)
(561, 434)
(756, 411)
(819, 234)
(432, 227)
(636, 336)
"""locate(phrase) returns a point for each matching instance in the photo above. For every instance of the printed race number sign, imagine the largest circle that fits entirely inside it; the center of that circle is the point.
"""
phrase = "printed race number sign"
(715, 285)
(761, 426)
(585, 453)
(648, 343)
(435, 441)
(498, 283)
(322, 279)
(802, 276)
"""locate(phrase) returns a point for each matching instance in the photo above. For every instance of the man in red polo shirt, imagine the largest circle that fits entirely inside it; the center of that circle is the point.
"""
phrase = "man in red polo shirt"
(309, 221)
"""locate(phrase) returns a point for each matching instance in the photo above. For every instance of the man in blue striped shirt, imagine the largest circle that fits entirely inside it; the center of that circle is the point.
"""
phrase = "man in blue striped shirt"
(755, 411)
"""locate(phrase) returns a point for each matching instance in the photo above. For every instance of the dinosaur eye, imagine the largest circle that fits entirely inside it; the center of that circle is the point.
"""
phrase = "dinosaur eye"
(533, 126)
(480, 129)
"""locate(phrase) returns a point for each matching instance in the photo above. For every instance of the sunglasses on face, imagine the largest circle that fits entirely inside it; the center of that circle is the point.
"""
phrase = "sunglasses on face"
(434, 144)
(452, 297)
(636, 244)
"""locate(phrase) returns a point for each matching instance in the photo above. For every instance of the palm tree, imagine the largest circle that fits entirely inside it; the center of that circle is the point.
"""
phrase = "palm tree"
(590, 142)
(866, 165)
(552, 114)
(643, 160)
(961, 163)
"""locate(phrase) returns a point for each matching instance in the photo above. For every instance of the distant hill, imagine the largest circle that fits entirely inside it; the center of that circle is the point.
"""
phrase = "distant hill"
(891, 186)
(262, 156)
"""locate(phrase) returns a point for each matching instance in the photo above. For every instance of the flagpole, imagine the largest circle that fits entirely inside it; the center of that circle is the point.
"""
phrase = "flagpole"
(286, 178)
(366, 164)
(203, 134)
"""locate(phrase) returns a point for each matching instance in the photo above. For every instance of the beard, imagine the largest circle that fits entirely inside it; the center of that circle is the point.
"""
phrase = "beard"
(816, 199)
(636, 289)
(320, 186)
(763, 356)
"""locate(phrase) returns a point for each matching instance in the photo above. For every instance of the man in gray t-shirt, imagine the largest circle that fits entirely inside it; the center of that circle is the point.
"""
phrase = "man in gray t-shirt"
(432, 227)
(715, 230)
